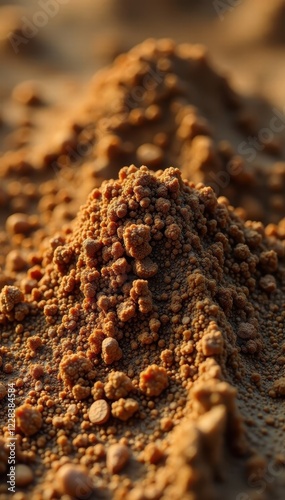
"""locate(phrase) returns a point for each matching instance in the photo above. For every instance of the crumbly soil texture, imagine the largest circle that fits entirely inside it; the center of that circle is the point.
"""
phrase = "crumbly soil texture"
(145, 342)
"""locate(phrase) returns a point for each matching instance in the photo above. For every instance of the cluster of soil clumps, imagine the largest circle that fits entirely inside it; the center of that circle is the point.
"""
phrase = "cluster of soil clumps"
(141, 314)
(157, 315)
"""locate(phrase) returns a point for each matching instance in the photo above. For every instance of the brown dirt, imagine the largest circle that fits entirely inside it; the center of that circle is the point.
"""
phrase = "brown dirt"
(191, 302)
(144, 331)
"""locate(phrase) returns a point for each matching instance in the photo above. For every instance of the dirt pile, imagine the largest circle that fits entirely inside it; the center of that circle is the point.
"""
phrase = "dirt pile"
(158, 314)
(165, 104)
(161, 104)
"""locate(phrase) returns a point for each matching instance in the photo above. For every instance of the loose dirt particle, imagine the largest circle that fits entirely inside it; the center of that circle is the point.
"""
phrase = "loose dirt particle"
(34, 342)
(118, 386)
(74, 480)
(18, 224)
(99, 412)
(24, 475)
(123, 409)
(152, 453)
(36, 371)
(111, 351)
(28, 419)
(9, 297)
(80, 392)
(117, 457)
(149, 154)
(153, 380)
(278, 389)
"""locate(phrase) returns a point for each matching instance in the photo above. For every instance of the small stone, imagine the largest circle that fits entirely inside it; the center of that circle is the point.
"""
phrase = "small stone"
(117, 457)
(36, 371)
(145, 268)
(111, 351)
(152, 453)
(99, 412)
(34, 342)
(278, 388)
(9, 297)
(24, 475)
(212, 343)
(18, 224)
(28, 419)
(149, 154)
(268, 283)
(246, 331)
(74, 366)
(74, 480)
(166, 424)
(15, 261)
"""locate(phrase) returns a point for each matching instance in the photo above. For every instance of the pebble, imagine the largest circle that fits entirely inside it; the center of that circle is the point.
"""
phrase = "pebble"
(149, 154)
(28, 419)
(99, 412)
(24, 475)
(18, 223)
(74, 480)
(111, 351)
(117, 457)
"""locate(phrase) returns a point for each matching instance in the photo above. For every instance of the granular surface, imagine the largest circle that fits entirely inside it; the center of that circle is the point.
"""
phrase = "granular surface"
(146, 344)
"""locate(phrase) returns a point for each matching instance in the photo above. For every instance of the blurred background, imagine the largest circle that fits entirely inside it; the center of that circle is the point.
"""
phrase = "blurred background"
(58, 44)
(68, 40)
